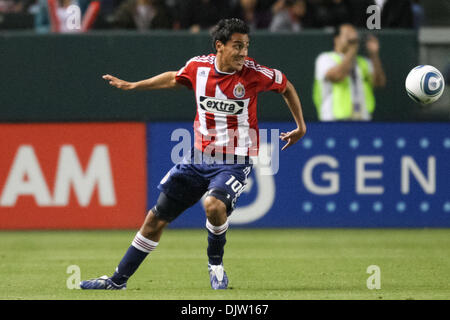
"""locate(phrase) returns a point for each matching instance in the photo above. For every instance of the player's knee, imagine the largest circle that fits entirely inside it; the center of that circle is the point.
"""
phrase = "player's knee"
(167, 208)
(154, 223)
(153, 226)
(214, 207)
(152, 218)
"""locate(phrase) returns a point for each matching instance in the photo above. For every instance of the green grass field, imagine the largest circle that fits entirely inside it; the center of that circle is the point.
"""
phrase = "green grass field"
(272, 264)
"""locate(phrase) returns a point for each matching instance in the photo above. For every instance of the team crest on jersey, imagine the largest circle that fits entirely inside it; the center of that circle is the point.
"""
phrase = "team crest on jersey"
(239, 90)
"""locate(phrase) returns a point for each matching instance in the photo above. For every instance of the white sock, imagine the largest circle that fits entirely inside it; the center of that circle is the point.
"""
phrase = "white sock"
(143, 244)
(217, 230)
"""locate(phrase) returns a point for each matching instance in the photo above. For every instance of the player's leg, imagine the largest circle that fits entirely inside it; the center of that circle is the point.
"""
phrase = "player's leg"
(217, 226)
(145, 241)
(219, 203)
(179, 191)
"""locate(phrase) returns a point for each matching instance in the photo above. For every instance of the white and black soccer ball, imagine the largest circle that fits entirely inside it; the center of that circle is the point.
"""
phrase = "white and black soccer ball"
(424, 84)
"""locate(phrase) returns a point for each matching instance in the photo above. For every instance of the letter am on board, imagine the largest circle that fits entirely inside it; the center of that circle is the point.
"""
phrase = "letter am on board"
(72, 176)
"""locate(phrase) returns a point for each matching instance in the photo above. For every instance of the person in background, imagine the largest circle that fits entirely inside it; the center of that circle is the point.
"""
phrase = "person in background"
(446, 74)
(15, 6)
(196, 15)
(142, 15)
(63, 14)
(396, 14)
(405, 14)
(289, 15)
(418, 14)
(330, 13)
(249, 11)
(344, 81)
(358, 12)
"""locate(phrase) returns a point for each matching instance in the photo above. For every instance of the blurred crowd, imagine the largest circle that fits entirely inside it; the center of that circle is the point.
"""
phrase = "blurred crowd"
(196, 15)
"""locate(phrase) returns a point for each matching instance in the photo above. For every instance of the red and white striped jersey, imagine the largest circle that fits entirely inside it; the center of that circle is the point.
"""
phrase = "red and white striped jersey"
(226, 103)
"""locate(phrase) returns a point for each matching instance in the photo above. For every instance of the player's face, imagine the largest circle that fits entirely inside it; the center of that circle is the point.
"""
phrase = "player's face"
(232, 55)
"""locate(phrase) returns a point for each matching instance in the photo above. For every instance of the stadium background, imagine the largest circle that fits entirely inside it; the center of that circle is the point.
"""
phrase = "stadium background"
(78, 154)
(55, 78)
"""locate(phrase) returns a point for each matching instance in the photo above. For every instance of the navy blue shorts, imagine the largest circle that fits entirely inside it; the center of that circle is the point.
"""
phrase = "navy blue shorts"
(187, 182)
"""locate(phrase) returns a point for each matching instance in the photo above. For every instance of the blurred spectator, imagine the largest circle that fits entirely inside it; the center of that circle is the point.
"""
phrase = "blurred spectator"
(330, 13)
(15, 6)
(358, 12)
(418, 14)
(344, 81)
(142, 15)
(197, 15)
(41, 18)
(105, 19)
(265, 5)
(446, 74)
(396, 13)
(288, 15)
(40, 11)
(247, 10)
(64, 14)
(83, 4)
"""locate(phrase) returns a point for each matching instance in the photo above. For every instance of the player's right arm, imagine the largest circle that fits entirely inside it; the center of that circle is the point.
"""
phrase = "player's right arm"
(164, 80)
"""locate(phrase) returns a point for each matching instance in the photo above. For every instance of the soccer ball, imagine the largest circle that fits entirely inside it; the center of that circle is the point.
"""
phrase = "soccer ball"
(424, 84)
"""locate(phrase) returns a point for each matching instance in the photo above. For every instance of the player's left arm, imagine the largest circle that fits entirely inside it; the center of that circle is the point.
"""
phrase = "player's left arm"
(373, 48)
(292, 100)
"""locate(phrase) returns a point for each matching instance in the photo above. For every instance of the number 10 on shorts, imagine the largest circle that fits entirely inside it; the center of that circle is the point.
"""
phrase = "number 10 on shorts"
(234, 184)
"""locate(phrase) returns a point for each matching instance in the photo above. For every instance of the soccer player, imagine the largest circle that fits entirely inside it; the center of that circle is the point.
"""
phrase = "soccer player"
(226, 85)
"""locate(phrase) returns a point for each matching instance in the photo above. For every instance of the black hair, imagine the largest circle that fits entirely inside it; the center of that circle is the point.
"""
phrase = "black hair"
(289, 3)
(225, 28)
(336, 30)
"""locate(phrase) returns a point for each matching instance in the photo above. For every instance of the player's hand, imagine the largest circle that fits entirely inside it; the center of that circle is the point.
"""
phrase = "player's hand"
(353, 47)
(118, 83)
(291, 137)
(372, 45)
